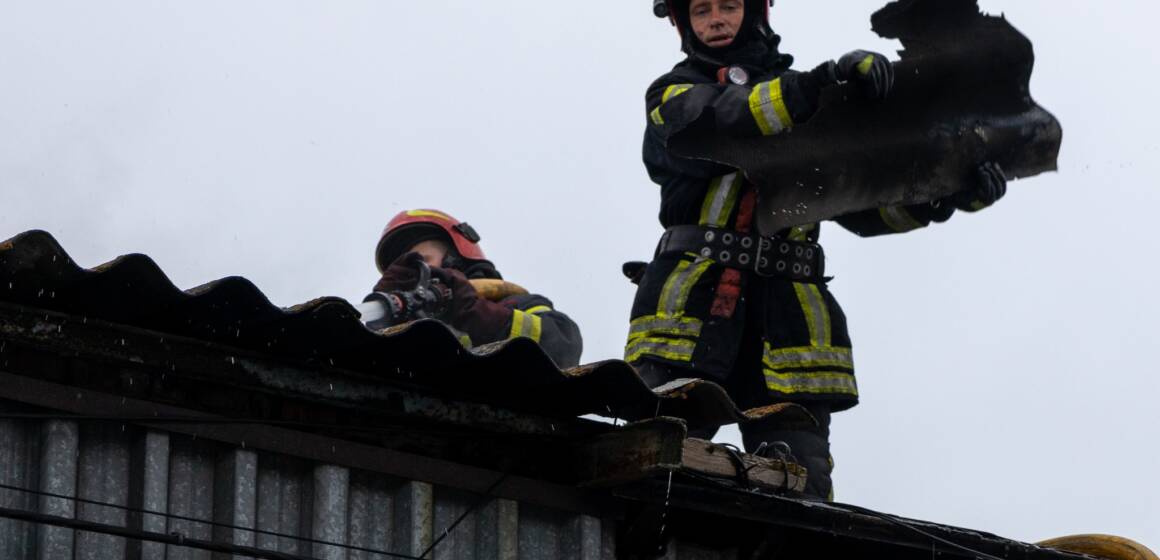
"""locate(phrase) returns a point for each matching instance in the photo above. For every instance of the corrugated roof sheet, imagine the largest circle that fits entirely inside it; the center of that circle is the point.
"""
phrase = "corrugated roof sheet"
(35, 271)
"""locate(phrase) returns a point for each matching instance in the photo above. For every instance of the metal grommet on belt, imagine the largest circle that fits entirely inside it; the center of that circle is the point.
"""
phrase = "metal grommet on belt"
(799, 251)
(764, 262)
(784, 248)
(746, 242)
(809, 253)
(706, 252)
(743, 258)
(725, 256)
(780, 266)
(765, 244)
(710, 236)
(797, 268)
(727, 238)
(806, 270)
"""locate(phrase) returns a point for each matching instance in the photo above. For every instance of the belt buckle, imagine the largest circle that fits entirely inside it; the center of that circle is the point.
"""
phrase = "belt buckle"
(759, 263)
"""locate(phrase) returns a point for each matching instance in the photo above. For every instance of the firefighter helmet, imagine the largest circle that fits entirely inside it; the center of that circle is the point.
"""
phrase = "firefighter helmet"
(410, 227)
(677, 11)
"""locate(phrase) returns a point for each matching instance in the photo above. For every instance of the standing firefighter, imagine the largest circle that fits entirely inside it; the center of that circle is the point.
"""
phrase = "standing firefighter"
(722, 300)
(432, 267)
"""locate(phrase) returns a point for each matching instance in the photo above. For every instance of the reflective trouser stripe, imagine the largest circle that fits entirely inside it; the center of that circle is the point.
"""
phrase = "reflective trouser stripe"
(816, 312)
(812, 382)
(655, 324)
(676, 350)
(526, 325)
(720, 200)
(898, 219)
(675, 294)
(670, 92)
(768, 107)
(808, 357)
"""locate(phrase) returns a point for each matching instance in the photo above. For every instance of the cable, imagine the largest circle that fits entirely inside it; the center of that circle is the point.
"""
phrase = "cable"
(202, 521)
(486, 495)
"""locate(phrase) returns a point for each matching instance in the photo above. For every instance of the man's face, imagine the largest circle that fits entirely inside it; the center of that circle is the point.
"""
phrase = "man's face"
(716, 22)
(433, 251)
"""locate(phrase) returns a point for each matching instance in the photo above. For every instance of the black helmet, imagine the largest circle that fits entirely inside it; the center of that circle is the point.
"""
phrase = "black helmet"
(677, 11)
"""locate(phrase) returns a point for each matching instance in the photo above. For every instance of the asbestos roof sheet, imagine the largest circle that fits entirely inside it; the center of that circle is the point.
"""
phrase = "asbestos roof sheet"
(35, 271)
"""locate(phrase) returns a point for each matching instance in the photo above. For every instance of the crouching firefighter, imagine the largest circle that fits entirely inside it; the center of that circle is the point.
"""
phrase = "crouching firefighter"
(722, 300)
(433, 268)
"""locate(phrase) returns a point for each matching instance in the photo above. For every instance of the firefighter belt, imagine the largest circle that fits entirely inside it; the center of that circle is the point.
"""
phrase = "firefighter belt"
(798, 261)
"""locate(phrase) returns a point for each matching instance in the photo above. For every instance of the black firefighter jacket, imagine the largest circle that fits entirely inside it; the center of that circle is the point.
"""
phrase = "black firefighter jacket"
(690, 312)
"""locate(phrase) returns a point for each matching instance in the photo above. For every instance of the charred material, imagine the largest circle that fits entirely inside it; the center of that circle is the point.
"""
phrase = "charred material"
(961, 98)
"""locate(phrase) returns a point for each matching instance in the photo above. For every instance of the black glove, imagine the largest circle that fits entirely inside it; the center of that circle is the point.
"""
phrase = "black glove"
(990, 186)
(872, 70)
(408, 291)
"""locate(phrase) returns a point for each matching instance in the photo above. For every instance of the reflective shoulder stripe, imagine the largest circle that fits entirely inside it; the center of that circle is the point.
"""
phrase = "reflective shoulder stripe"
(866, 65)
(978, 205)
(526, 325)
(720, 200)
(670, 93)
(813, 383)
(679, 285)
(656, 117)
(655, 324)
(898, 219)
(767, 104)
(671, 349)
(465, 340)
(816, 311)
(673, 91)
(538, 309)
(808, 357)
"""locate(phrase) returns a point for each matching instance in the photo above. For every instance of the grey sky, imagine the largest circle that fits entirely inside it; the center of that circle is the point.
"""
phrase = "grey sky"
(1005, 359)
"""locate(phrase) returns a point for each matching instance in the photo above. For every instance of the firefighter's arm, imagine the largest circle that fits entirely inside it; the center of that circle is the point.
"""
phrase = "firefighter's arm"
(534, 317)
(765, 108)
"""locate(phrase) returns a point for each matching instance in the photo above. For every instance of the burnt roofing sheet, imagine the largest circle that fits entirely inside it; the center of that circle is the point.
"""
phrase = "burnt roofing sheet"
(35, 271)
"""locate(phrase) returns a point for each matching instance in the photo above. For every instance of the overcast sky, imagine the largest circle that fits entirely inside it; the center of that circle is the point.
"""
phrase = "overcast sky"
(1006, 359)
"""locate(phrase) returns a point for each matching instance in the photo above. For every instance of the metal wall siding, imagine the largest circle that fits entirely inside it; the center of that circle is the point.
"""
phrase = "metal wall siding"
(169, 473)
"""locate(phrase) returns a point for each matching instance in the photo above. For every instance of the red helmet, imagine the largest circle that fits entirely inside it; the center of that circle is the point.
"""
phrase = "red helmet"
(410, 227)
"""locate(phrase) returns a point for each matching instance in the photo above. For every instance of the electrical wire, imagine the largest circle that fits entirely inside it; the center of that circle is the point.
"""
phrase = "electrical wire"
(486, 496)
(177, 517)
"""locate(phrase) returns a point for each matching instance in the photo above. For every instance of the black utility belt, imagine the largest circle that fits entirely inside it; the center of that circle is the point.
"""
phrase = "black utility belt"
(799, 261)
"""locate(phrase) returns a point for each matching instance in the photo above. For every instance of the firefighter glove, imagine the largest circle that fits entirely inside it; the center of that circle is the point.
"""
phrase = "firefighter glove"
(872, 70)
(990, 186)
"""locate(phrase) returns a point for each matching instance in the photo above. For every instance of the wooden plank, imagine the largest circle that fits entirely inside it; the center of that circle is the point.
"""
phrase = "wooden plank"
(710, 459)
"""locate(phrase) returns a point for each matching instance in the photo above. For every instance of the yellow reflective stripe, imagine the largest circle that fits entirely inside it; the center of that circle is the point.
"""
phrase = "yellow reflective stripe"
(656, 117)
(978, 205)
(538, 309)
(801, 233)
(808, 357)
(428, 214)
(679, 284)
(866, 65)
(816, 311)
(465, 340)
(676, 350)
(655, 324)
(526, 325)
(767, 104)
(814, 383)
(673, 91)
(720, 200)
(899, 219)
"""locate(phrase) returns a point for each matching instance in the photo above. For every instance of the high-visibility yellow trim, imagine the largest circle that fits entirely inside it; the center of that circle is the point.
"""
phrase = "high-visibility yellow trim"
(801, 233)
(808, 357)
(465, 340)
(767, 104)
(671, 349)
(899, 219)
(978, 205)
(526, 325)
(538, 309)
(866, 65)
(828, 383)
(650, 325)
(656, 117)
(720, 200)
(679, 284)
(673, 91)
(816, 311)
(428, 214)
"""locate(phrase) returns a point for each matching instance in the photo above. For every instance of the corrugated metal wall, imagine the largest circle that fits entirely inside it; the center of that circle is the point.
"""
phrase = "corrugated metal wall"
(289, 497)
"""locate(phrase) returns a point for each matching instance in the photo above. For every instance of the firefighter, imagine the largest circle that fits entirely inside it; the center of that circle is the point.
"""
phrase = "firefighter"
(768, 330)
(416, 242)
